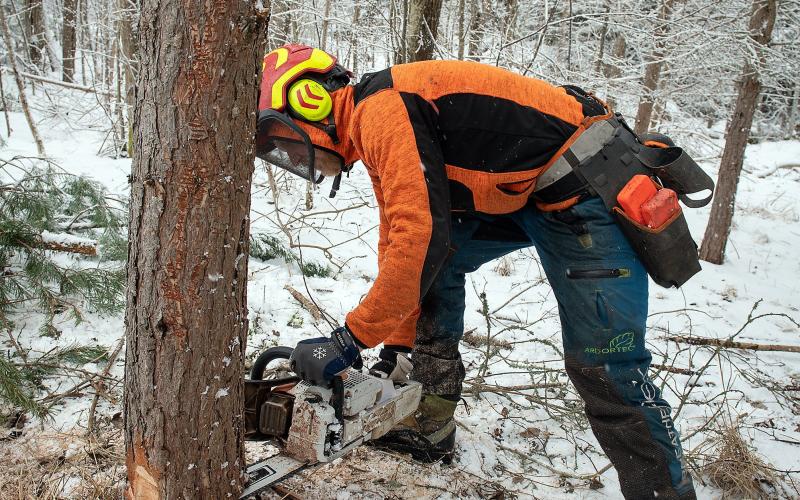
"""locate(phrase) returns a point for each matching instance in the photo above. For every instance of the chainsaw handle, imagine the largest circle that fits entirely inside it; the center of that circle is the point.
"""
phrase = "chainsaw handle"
(266, 357)
(337, 398)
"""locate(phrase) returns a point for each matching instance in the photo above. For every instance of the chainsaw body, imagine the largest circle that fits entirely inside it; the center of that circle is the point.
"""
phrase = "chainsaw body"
(313, 424)
(324, 426)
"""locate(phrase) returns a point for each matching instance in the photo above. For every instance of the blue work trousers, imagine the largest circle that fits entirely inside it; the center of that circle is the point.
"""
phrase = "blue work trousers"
(601, 289)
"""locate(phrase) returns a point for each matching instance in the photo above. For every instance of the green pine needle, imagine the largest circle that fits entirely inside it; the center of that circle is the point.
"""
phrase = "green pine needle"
(14, 389)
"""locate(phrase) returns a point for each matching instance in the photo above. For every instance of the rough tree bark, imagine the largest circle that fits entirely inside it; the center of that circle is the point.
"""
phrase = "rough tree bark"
(762, 20)
(652, 72)
(68, 12)
(423, 23)
(186, 316)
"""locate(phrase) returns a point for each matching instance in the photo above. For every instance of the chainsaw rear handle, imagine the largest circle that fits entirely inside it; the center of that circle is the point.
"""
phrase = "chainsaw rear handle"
(282, 352)
(267, 357)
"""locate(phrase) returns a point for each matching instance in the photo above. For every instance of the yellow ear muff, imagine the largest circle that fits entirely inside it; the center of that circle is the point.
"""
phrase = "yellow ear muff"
(310, 100)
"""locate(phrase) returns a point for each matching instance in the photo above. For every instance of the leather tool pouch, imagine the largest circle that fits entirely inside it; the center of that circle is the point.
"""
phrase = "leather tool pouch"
(668, 253)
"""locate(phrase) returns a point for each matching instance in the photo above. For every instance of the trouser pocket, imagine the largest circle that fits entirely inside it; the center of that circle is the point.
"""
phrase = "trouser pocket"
(668, 253)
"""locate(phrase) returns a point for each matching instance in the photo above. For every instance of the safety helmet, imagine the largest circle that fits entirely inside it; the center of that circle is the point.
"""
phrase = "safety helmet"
(295, 87)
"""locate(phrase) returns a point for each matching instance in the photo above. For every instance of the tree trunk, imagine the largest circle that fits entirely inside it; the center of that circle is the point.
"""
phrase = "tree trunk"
(186, 316)
(354, 40)
(475, 30)
(762, 20)
(461, 25)
(35, 27)
(790, 129)
(23, 100)
(50, 44)
(423, 23)
(652, 73)
(599, 63)
(401, 54)
(128, 9)
(68, 40)
(511, 15)
(326, 14)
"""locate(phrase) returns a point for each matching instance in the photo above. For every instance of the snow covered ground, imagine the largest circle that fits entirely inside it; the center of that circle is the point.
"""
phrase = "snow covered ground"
(527, 441)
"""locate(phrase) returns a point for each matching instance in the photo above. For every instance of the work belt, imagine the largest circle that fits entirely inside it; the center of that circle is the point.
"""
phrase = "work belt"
(607, 155)
(601, 161)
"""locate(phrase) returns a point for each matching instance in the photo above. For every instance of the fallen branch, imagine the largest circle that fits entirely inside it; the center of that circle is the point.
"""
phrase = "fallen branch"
(481, 341)
(673, 369)
(90, 425)
(477, 388)
(731, 344)
(59, 83)
(305, 302)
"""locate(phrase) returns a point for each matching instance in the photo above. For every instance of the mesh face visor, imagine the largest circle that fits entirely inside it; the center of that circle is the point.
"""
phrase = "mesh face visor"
(282, 143)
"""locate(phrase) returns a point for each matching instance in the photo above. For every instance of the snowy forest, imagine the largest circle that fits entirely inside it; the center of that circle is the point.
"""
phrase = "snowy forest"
(121, 199)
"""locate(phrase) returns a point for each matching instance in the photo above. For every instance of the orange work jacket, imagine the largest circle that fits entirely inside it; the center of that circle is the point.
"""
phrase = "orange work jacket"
(447, 136)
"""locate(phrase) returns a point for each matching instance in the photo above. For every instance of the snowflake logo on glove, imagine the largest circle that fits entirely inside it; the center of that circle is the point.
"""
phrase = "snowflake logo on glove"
(320, 353)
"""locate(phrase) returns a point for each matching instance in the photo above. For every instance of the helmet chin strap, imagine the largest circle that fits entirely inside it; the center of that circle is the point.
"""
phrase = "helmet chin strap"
(337, 181)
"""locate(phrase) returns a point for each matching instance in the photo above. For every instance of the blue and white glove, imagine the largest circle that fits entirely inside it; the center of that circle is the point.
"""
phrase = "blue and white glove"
(320, 359)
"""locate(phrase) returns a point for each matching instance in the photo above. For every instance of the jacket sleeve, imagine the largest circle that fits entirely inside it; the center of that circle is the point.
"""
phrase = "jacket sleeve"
(397, 137)
(383, 228)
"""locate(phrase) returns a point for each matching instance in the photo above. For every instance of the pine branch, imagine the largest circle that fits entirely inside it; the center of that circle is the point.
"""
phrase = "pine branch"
(12, 389)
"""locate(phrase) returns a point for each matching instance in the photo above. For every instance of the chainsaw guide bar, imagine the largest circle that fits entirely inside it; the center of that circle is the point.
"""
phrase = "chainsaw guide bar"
(263, 474)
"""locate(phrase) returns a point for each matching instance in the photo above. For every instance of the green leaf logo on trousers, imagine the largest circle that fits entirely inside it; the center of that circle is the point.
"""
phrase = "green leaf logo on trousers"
(621, 343)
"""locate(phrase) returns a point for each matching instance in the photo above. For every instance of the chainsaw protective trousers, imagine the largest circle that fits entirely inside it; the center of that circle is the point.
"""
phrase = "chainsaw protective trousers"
(601, 290)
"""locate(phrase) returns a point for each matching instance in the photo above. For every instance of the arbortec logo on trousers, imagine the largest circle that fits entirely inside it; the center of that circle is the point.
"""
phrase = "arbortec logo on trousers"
(621, 343)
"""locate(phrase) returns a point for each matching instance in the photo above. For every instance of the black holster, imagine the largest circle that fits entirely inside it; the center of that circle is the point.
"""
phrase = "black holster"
(668, 253)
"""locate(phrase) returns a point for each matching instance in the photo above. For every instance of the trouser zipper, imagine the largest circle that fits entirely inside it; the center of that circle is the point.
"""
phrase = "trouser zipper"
(578, 274)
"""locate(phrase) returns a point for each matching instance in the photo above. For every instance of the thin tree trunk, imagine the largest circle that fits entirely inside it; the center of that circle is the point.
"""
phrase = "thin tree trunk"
(68, 40)
(423, 24)
(569, 36)
(80, 35)
(326, 13)
(23, 101)
(461, 25)
(277, 35)
(613, 70)
(186, 316)
(402, 54)
(128, 46)
(475, 30)
(354, 40)
(512, 11)
(50, 44)
(35, 26)
(599, 64)
(762, 20)
(791, 115)
(5, 106)
(652, 73)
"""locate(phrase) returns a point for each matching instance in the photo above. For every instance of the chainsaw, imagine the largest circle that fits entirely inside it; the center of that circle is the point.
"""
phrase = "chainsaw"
(312, 425)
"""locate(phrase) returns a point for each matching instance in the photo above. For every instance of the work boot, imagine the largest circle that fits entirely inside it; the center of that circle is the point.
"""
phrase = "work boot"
(429, 434)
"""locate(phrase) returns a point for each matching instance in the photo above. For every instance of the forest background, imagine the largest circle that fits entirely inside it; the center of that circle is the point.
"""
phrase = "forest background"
(721, 78)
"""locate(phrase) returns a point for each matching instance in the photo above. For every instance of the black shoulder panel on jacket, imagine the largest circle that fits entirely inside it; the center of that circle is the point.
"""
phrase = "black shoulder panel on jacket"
(372, 83)
(591, 106)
